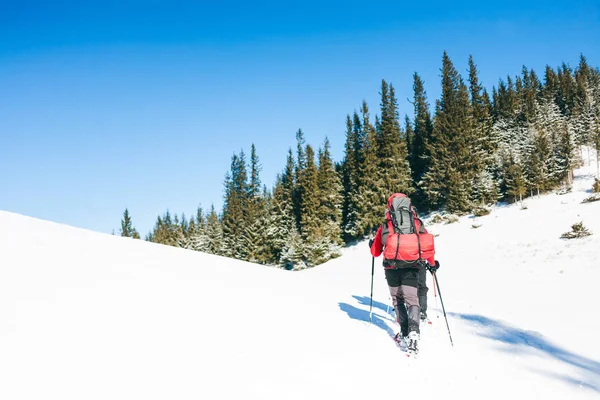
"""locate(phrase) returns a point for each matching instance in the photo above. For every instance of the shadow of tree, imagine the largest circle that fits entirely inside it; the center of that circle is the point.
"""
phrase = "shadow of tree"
(521, 341)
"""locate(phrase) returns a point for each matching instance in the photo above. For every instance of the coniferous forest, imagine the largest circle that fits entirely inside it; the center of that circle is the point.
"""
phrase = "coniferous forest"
(467, 150)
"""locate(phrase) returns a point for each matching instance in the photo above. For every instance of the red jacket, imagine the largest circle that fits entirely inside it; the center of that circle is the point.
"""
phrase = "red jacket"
(377, 246)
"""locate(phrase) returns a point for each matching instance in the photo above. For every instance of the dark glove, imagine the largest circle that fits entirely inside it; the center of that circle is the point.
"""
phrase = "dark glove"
(433, 268)
(371, 242)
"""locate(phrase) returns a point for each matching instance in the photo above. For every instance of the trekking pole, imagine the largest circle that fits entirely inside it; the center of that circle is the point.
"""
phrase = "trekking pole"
(371, 305)
(442, 301)
(437, 308)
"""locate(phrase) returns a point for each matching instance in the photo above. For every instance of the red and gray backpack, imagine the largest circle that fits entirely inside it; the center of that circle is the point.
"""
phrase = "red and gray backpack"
(404, 235)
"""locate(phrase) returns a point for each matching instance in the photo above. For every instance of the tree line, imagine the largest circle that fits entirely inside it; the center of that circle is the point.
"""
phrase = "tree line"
(469, 151)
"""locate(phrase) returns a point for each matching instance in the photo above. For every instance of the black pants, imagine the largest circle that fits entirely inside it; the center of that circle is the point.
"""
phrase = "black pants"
(403, 284)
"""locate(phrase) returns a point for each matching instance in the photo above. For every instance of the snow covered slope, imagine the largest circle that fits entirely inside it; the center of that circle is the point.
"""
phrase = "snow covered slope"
(90, 316)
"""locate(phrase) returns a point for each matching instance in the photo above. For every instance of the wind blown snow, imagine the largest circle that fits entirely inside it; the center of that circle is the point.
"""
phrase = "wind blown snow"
(85, 315)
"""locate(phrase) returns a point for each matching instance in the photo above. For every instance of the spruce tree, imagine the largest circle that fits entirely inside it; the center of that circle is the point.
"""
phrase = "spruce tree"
(197, 237)
(350, 173)
(127, 229)
(330, 192)
(423, 126)
(515, 180)
(392, 155)
(300, 165)
(451, 172)
(483, 146)
(536, 161)
(409, 134)
(253, 237)
(309, 192)
(167, 231)
(235, 216)
(281, 223)
(369, 210)
(215, 243)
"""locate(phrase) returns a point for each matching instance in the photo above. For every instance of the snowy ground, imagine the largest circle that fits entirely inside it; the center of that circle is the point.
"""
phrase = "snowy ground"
(90, 316)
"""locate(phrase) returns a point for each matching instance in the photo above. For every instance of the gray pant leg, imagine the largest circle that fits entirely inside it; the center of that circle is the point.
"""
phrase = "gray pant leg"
(400, 309)
(423, 289)
(409, 294)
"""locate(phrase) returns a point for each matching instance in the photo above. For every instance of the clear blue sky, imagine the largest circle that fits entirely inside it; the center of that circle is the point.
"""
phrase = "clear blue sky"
(106, 106)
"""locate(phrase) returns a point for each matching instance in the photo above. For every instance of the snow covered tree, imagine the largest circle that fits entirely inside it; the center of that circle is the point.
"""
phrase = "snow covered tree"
(537, 160)
(330, 201)
(253, 237)
(215, 243)
(515, 180)
(350, 176)
(292, 256)
(308, 188)
(299, 165)
(236, 205)
(197, 238)
(281, 225)
(484, 144)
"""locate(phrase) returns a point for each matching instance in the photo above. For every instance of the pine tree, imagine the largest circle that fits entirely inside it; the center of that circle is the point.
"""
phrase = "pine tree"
(255, 186)
(253, 237)
(484, 144)
(409, 133)
(550, 90)
(167, 231)
(350, 173)
(300, 165)
(566, 90)
(515, 180)
(330, 207)
(281, 222)
(391, 149)
(215, 243)
(529, 93)
(309, 192)
(453, 164)
(235, 216)
(566, 152)
(292, 256)
(369, 211)
(127, 229)
(536, 160)
(423, 126)
(197, 236)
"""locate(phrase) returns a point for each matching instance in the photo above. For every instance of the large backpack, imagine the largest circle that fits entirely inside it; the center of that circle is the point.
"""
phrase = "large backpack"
(407, 241)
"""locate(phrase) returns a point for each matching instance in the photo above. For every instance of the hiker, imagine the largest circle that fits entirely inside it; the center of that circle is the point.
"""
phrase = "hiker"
(422, 289)
(406, 247)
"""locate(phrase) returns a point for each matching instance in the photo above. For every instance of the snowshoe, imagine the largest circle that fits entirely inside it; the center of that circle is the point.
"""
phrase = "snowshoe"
(401, 341)
(413, 344)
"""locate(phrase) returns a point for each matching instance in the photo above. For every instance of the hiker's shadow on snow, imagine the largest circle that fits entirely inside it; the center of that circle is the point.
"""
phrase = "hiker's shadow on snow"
(520, 341)
(360, 314)
(365, 301)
